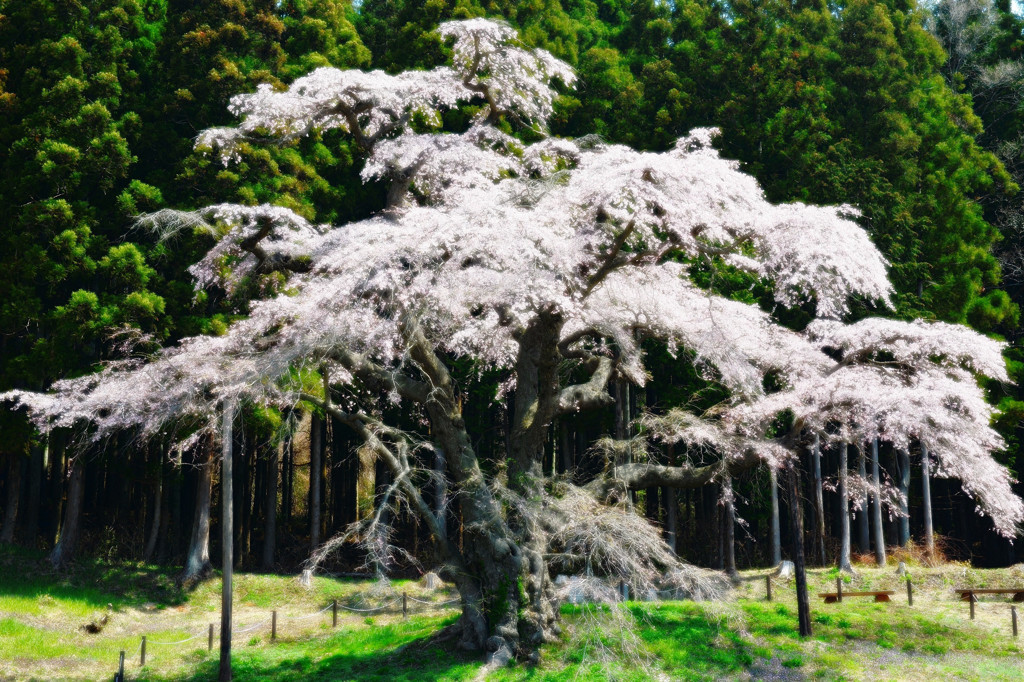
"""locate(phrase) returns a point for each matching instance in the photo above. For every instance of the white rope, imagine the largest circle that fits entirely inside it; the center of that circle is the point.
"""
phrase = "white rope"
(372, 610)
(432, 603)
(311, 615)
(189, 639)
(242, 631)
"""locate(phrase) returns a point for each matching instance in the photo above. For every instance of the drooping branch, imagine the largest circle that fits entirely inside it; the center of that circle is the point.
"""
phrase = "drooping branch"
(371, 430)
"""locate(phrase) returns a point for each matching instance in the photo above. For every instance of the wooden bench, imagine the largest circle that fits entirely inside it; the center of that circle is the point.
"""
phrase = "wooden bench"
(1018, 593)
(833, 597)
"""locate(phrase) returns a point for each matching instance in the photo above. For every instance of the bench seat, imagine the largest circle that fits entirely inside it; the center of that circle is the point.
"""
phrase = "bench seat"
(879, 595)
(1017, 592)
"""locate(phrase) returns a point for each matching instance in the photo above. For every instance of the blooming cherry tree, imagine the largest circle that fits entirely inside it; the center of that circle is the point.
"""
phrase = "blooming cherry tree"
(528, 259)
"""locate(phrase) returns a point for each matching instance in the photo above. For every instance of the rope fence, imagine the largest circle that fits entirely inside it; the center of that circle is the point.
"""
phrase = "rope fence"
(334, 606)
(140, 653)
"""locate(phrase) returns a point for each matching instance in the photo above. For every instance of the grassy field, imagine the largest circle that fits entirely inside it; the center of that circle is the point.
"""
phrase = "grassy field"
(747, 637)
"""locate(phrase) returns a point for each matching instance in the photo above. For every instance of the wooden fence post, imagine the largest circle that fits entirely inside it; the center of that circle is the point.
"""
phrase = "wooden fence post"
(839, 589)
(971, 595)
(405, 605)
(768, 585)
(334, 613)
(1013, 620)
(910, 592)
(119, 677)
(273, 625)
(209, 645)
(142, 652)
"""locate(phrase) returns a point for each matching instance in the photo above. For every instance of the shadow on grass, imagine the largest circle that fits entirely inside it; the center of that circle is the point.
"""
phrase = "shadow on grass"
(95, 583)
(690, 644)
(401, 652)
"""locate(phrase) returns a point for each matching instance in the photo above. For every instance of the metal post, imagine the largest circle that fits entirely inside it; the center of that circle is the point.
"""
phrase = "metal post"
(768, 585)
(120, 667)
(839, 589)
(910, 592)
(142, 652)
(273, 625)
(1013, 619)
(209, 646)
(971, 595)
(405, 605)
(334, 613)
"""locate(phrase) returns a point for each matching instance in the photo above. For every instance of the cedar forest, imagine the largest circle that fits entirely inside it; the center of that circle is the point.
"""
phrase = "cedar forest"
(508, 290)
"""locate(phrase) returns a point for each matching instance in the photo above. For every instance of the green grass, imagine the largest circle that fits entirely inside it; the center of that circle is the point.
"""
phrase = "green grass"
(397, 651)
(40, 638)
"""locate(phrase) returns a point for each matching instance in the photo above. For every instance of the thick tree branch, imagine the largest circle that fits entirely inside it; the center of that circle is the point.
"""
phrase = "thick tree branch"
(611, 261)
(381, 378)
(635, 476)
(593, 393)
(266, 263)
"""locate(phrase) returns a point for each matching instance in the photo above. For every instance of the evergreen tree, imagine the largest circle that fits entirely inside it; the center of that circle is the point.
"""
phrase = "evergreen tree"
(70, 125)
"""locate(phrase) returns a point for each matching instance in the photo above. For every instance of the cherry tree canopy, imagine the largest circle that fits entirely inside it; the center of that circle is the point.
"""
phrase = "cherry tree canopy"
(525, 258)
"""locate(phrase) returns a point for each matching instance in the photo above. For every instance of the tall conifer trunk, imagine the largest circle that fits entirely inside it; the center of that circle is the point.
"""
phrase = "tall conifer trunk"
(670, 497)
(819, 504)
(903, 464)
(69, 530)
(270, 510)
(315, 468)
(197, 561)
(730, 528)
(13, 496)
(876, 505)
(155, 521)
(776, 539)
(844, 510)
(797, 527)
(926, 493)
(863, 527)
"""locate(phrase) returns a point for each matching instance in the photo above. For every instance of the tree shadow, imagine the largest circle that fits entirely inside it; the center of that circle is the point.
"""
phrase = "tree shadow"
(27, 574)
(372, 656)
